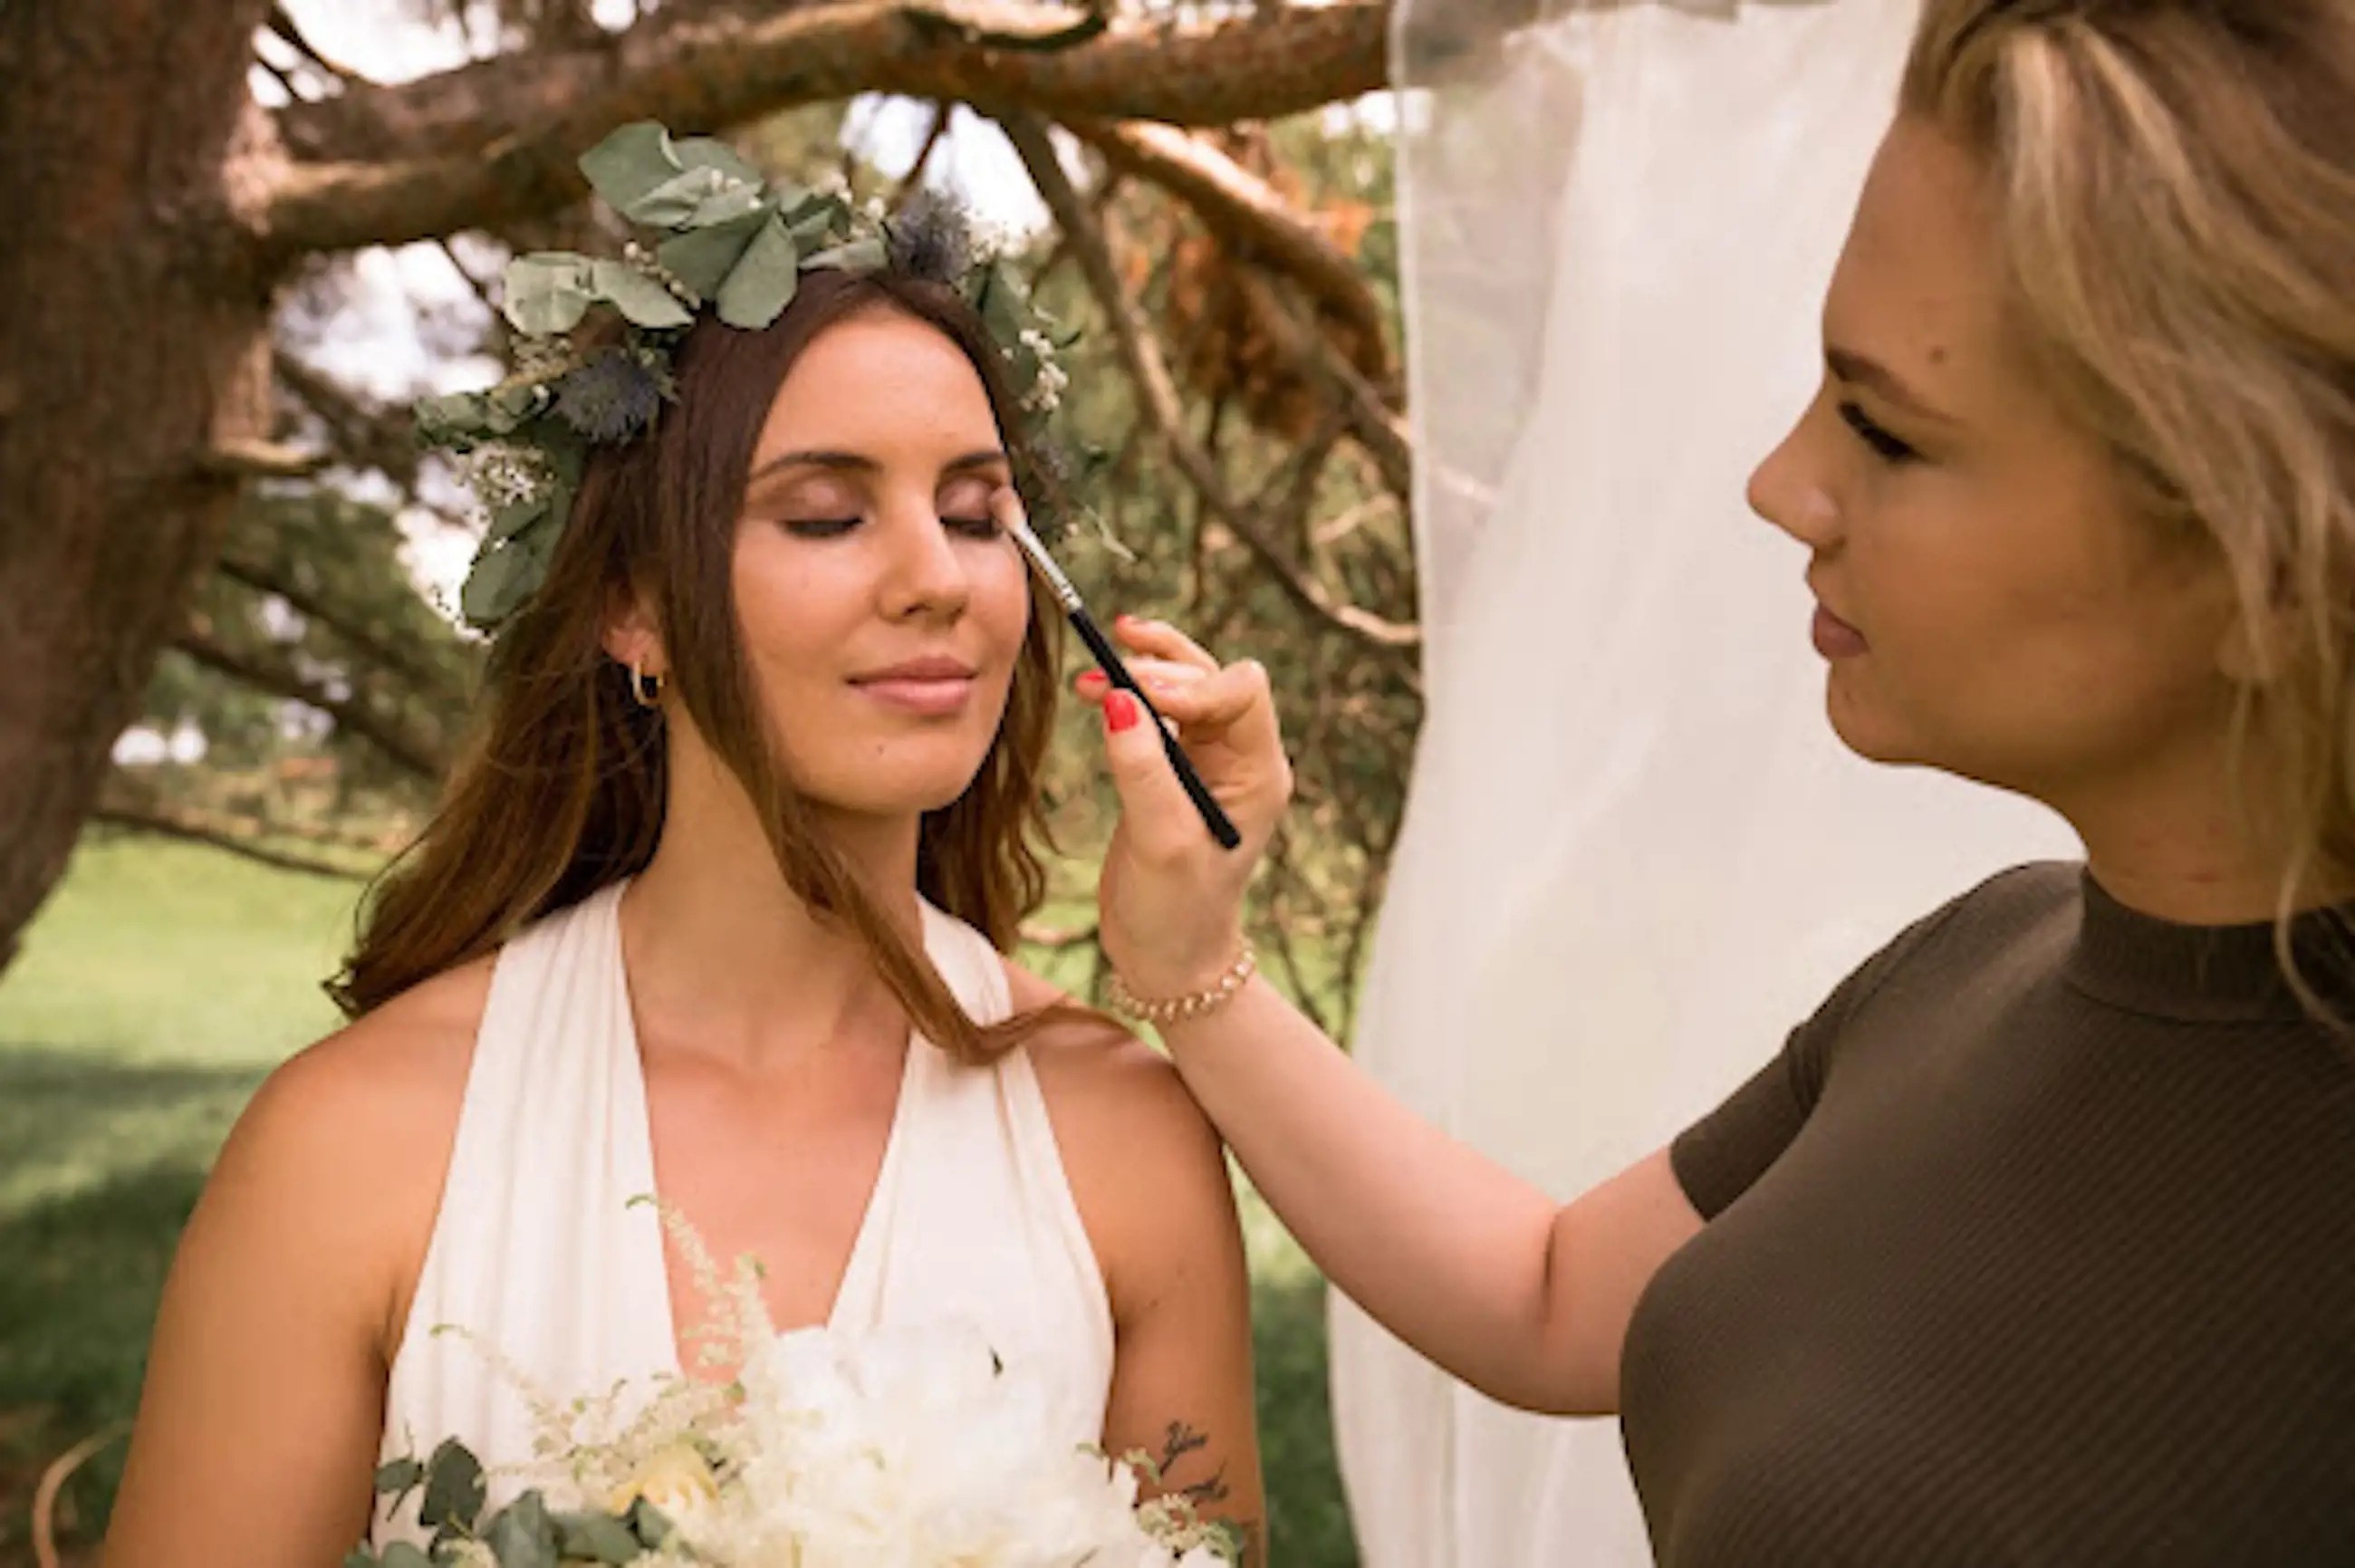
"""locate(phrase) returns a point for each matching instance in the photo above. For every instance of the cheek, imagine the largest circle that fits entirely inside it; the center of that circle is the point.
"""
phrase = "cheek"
(792, 607)
(1001, 604)
(2026, 641)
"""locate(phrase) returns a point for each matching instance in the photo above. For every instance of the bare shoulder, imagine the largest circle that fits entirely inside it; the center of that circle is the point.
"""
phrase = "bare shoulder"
(1107, 1082)
(1145, 1165)
(347, 1142)
(393, 1074)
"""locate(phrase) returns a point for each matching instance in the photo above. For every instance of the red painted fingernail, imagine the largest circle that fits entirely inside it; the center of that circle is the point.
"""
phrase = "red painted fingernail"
(1121, 711)
(1089, 678)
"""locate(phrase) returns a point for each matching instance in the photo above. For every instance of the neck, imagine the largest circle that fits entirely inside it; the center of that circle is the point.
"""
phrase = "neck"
(2179, 842)
(722, 952)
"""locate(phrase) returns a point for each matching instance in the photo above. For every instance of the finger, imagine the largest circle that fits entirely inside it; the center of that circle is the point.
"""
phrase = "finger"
(1208, 703)
(1158, 677)
(1158, 813)
(1238, 705)
(1164, 641)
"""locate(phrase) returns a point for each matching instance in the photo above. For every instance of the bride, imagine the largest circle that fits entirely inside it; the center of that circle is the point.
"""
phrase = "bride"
(715, 909)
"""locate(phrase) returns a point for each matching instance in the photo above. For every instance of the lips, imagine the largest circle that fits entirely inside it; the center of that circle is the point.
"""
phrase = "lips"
(935, 687)
(1835, 638)
(933, 667)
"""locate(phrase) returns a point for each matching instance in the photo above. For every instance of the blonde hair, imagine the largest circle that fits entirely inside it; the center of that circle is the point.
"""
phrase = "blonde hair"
(2173, 181)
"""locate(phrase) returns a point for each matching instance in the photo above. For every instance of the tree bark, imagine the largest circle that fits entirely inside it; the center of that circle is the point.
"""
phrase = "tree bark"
(497, 139)
(132, 339)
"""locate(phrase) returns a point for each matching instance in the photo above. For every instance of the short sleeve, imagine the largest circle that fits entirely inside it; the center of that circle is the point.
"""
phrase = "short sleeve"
(1720, 1157)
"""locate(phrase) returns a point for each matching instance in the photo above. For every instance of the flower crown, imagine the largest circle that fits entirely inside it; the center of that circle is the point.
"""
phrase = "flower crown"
(724, 239)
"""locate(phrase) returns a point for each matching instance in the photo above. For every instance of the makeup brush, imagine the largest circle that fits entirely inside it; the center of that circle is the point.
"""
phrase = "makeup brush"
(1222, 827)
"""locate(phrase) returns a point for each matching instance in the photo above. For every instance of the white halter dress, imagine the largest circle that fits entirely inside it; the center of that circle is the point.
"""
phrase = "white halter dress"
(537, 1251)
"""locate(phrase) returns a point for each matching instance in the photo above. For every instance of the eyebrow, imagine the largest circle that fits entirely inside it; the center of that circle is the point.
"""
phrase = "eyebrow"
(1873, 376)
(859, 463)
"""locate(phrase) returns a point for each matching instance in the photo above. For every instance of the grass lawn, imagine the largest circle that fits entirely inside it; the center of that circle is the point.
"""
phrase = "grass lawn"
(157, 988)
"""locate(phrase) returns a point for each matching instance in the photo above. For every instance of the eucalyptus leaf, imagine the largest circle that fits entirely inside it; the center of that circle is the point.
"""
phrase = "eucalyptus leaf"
(454, 1486)
(399, 1475)
(402, 1554)
(452, 419)
(521, 1535)
(494, 585)
(596, 1538)
(670, 204)
(700, 258)
(360, 1557)
(547, 293)
(764, 280)
(516, 403)
(650, 1525)
(865, 255)
(566, 459)
(710, 152)
(631, 161)
(726, 207)
(1001, 304)
(506, 522)
(789, 197)
(816, 230)
(641, 300)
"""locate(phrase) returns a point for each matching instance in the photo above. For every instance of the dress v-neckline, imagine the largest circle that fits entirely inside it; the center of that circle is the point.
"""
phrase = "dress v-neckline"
(864, 1242)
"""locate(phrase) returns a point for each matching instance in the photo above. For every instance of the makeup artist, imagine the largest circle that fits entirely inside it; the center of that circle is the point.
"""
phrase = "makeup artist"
(2036, 1244)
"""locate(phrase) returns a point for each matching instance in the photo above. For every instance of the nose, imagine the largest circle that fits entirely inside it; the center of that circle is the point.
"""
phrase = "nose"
(926, 575)
(1784, 490)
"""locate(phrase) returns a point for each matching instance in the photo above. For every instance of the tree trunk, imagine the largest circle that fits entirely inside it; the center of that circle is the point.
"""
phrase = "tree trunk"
(134, 335)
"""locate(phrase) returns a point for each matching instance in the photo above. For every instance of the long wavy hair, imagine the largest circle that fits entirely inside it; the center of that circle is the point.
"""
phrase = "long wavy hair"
(2174, 182)
(561, 788)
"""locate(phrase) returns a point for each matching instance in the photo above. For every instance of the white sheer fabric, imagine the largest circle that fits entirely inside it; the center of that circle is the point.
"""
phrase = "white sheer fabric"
(1635, 853)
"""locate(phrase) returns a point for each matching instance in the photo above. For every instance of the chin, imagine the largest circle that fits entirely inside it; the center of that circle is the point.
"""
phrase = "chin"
(1870, 734)
(896, 785)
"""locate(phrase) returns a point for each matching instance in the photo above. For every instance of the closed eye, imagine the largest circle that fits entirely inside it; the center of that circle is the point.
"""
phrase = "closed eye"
(1885, 446)
(984, 526)
(820, 528)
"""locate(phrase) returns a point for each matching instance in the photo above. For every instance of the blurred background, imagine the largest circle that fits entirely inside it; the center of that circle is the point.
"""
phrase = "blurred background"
(247, 233)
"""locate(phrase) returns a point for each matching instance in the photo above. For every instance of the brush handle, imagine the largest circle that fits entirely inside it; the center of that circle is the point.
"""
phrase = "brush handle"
(1222, 827)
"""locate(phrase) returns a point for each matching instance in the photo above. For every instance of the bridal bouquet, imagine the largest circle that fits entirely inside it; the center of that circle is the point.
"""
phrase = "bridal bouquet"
(903, 1449)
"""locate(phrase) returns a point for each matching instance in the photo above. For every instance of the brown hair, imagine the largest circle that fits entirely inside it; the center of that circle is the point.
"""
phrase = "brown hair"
(561, 790)
(2175, 185)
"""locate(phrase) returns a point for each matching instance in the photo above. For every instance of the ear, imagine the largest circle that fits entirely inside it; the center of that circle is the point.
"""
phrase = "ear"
(632, 636)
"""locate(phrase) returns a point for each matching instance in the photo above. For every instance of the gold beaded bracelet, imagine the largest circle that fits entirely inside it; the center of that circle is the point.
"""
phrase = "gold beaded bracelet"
(1164, 1011)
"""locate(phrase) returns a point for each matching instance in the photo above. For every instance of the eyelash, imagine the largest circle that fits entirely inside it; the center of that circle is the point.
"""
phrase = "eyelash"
(982, 528)
(1885, 446)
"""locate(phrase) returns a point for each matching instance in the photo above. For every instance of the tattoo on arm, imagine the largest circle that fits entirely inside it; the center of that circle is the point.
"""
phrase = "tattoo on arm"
(1176, 1443)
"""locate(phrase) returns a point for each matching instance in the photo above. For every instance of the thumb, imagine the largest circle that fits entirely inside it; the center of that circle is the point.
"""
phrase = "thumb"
(1155, 805)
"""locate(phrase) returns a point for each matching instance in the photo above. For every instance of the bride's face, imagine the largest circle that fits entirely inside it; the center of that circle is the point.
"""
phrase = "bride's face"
(880, 607)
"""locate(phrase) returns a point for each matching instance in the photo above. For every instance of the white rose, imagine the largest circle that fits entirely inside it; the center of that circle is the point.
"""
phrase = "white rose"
(673, 1478)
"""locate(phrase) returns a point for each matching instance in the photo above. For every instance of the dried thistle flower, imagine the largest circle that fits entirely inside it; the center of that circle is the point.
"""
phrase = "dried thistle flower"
(931, 237)
(610, 396)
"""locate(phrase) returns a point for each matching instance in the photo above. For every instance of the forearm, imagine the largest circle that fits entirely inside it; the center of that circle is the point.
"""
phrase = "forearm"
(1449, 1250)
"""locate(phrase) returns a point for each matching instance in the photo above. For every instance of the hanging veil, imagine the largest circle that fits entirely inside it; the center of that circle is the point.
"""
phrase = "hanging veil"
(1634, 853)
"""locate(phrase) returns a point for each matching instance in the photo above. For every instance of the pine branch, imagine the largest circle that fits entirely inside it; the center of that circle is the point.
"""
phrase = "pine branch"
(263, 578)
(1141, 354)
(351, 713)
(1243, 210)
(1378, 429)
(168, 825)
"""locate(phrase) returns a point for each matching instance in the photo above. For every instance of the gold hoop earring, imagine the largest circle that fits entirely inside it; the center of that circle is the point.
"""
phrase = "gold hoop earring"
(647, 688)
